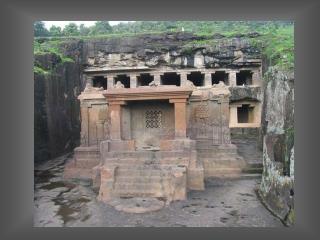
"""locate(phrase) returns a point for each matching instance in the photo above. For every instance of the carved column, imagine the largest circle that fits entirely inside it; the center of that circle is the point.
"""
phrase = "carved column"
(157, 78)
(180, 120)
(84, 125)
(207, 79)
(225, 119)
(183, 78)
(115, 119)
(100, 131)
(256, 78)
(110, 81)
(233, 78)
(133, 80)
(89, 79)
(233, 116)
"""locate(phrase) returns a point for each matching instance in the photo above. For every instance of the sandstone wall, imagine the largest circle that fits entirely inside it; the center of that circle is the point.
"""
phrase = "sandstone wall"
(277, 187)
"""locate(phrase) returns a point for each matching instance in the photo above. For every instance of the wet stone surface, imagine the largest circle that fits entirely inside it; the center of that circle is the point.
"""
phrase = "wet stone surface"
(224, 203)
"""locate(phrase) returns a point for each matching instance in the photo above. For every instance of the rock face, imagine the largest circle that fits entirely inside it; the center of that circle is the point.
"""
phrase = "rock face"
(178, 50)
(277, 187)
(56, 119)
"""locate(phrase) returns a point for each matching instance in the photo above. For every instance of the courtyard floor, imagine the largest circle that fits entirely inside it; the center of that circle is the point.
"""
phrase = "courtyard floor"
(224, 203)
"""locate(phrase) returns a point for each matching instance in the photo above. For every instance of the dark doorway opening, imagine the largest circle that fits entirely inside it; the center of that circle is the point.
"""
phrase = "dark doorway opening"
(124, 79)
(99, 81)
(244, 77)
(220, 76)
(170, 79)
(144, 79)
(245, 114)
(197, 78)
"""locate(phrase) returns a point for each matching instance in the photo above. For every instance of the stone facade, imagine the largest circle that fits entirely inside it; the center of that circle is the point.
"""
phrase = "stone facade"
(156, 130)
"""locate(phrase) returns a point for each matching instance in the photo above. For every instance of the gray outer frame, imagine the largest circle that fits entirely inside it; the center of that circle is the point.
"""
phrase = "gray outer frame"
(17, 17)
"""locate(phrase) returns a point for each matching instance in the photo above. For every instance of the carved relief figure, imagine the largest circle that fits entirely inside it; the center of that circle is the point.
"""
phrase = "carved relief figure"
(119, 85)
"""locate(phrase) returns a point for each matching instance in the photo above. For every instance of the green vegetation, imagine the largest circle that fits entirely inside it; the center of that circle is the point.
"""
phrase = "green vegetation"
(275, 39)
(39, 70)
(53, 46)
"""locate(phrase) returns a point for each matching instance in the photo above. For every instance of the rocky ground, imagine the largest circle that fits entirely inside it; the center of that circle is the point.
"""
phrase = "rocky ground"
(224, 203)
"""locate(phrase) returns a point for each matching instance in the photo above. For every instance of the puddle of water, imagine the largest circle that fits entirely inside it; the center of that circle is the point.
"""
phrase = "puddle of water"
(224, 219)
(185, 206)
(163, 199)
(234, 213)
(195, 204)
(53, 185)
(246, 194)
(209, 206)
(43, 176)
(85, 218)
(65, 211)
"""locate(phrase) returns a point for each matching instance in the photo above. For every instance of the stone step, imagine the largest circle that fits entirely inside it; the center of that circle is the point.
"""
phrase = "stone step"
(137, 193)
(143, 173)
(147, 154)
(252, 170)
(142, 179)
(222, 163)
(218, 155)
(124, 186)
(133, 161)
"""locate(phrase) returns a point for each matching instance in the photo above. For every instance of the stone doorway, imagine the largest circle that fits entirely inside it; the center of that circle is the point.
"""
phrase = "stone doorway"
(151, 121)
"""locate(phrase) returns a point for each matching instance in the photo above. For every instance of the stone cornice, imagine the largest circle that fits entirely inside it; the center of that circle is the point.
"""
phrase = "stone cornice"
(147, 93)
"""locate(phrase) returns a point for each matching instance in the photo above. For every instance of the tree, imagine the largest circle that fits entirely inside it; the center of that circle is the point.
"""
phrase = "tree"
(101, 27)
(40, 30)
(71, 30)
(84, 31)
(55, 31)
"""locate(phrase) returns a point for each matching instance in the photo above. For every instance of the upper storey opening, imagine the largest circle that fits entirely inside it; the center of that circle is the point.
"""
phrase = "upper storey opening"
(197, 78)
(144, 79)
(244, 77)
(99, 81)
(171, 78)
(220, 76)
(124, 79)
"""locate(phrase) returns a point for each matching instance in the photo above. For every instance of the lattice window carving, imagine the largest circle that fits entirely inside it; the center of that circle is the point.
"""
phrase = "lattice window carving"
(153, 119)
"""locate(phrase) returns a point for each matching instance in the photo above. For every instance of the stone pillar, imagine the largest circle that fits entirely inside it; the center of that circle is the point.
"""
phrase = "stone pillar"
(225, 119)
(89, 79)
(256, 80)
(100, 131)
(157, 78)
(233, 78)
(183, 78)
(133, 80)
(110, 81)
(180, 121)
(233, 116)
(207, 79)
(84, 125)
(115, 119)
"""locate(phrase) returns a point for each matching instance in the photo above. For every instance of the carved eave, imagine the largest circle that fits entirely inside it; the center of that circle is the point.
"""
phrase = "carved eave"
(95, 70)
(148, 93)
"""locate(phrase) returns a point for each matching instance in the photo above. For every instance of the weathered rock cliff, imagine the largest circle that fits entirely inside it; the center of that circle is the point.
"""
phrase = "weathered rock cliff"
(277, 189)
(56, 116)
